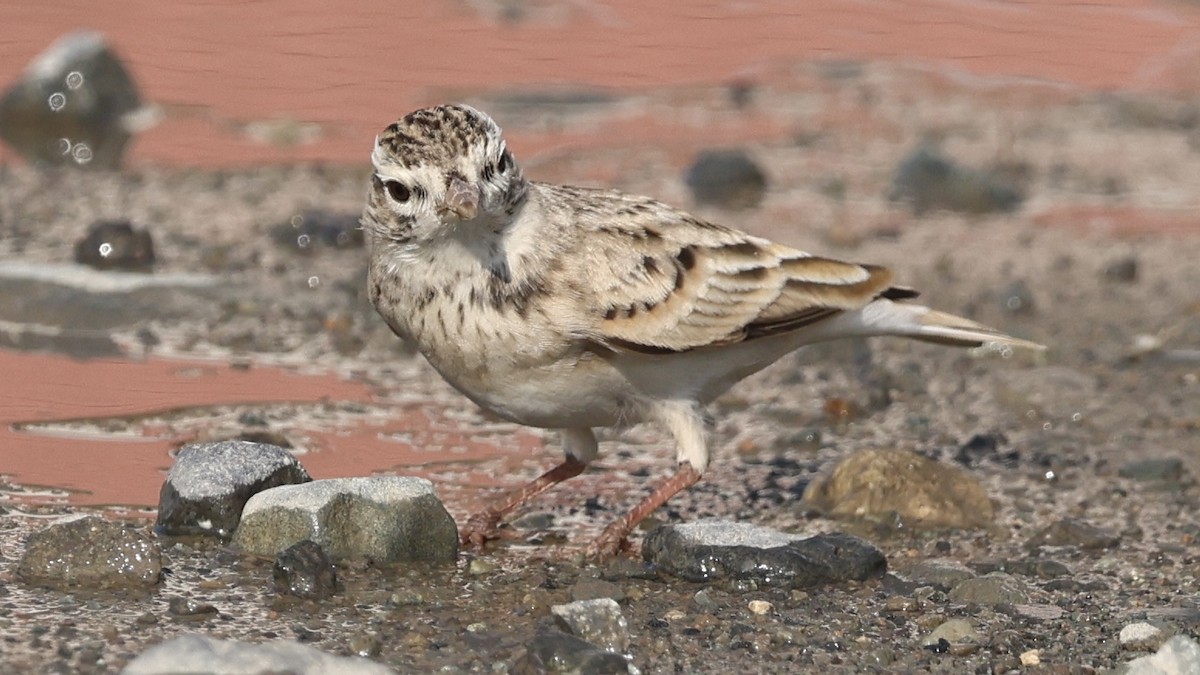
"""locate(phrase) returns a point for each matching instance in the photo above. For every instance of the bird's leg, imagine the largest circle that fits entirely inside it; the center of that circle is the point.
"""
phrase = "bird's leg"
(483, 525)
(685, 420)
(612, 540)
(580, 445)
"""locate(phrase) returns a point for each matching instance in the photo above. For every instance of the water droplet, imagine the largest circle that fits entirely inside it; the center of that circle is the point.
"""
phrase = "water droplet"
(106, 249)
(314, 281)
(82, 153)
(74, 79)
(64, 146)
(57, 101)
(303, 241)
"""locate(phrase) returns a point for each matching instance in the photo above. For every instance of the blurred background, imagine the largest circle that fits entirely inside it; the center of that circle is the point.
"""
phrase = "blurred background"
(231, 83)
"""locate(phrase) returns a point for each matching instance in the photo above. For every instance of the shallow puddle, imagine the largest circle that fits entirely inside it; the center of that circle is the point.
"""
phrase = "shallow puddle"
(102, 431)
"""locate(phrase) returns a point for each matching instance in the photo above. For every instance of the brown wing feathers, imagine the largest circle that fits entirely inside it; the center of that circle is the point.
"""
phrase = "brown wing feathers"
(695, 296)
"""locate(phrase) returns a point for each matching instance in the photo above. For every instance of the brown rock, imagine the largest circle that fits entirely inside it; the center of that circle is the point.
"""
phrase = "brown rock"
(886, 484)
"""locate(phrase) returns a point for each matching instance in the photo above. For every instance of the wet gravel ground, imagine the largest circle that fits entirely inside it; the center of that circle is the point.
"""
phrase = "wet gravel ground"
(1061, 437)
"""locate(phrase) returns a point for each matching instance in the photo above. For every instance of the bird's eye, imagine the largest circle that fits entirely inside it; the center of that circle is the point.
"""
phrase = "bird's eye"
(504, 164)
(398, 191)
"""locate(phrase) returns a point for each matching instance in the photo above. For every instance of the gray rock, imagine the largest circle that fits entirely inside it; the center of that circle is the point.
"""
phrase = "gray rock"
(1072, 532)
(1042, 568)
(304, 570)
(90, 552)
(995, 588)
(190, 608)
(598, 621)
(73, 106)
(1165, 469)
(115, 245)
(210, 483)
(553, 651)
(1178, 656)
(888, 485)
(729, 179)
(382, 518)
(927, 181)
(1141, 635)
(711, 550)
(202, 654)
(954, 631)
(1122, 270)
(944, 574)
(1039, 612)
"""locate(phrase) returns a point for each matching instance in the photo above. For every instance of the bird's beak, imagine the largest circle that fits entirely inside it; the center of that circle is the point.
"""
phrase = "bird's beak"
(462, 199)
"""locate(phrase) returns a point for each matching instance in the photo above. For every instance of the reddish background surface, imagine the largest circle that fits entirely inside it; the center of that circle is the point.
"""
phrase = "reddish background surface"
(353, 68)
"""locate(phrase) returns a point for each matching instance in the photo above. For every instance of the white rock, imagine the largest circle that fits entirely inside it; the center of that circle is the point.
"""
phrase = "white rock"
(598, 621)
(726, 533)
(1178, 656)
(1141, 635)
(380, 518)
(203, 654)
(760, 607)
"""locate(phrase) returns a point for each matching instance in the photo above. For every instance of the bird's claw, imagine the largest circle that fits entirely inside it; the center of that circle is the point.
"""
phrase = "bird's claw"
(480, 529)
(613, 541)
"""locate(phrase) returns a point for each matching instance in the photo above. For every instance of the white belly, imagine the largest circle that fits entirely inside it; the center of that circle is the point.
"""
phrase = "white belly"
(573, 392)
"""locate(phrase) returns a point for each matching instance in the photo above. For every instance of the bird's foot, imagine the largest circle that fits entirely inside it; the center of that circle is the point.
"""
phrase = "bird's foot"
(613, 541)
(480, 529)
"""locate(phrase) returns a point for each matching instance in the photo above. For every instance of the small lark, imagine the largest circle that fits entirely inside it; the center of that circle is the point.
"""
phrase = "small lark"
(572, 308)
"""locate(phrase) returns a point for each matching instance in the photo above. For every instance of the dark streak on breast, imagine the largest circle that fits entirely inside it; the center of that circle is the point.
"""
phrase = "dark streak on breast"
(425, 297)
(503, 295)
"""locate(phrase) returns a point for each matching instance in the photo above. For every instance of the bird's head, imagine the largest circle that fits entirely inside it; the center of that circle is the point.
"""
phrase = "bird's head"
(439, 171)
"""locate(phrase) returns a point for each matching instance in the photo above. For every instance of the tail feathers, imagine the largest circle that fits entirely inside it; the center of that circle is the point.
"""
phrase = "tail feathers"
(930, 325)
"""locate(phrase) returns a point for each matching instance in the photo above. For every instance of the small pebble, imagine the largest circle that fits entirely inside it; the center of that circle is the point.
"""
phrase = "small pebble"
(1122, 270)
(187, 607)
(479, 566)
(1032, 657)
(760, 607)
(703, 598)
(1141, 635)
(366, 646)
